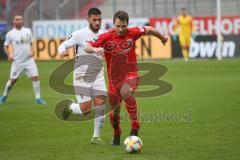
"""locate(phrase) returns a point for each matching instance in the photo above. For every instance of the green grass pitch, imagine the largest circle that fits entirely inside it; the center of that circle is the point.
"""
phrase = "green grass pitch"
(201, 122)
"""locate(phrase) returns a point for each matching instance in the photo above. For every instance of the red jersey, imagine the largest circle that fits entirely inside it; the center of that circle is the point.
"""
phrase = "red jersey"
(119, 52)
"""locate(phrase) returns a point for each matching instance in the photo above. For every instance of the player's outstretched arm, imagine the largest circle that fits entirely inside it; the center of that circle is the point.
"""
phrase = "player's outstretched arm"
(91, 49)
(71, 41)
(154, 32)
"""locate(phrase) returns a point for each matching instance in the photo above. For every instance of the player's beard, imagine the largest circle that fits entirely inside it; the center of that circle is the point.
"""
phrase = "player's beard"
(18, 26)
(122, 33)
(93, 28)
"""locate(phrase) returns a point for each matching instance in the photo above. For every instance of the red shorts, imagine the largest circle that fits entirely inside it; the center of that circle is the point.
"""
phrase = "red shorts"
(114, 95)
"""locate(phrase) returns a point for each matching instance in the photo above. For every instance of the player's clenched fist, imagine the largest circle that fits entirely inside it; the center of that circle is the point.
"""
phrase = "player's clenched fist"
(98, 50)
(10, 58)
(164, 40)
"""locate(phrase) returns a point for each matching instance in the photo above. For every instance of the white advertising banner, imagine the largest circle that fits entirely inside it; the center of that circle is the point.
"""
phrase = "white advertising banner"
(62, 28)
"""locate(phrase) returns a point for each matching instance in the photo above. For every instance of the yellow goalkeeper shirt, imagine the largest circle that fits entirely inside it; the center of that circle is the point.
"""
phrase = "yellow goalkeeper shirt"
(184, 24)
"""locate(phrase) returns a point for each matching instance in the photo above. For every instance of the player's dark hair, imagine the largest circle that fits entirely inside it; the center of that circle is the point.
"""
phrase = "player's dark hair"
(94, 11)
(122, 15)
(17, 15)
(183, 9)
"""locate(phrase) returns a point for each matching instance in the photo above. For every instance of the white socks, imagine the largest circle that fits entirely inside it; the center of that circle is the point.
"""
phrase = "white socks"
(7, 88)
(99, 120)
(36, 88)
(99, 117)
(35, 84)
(75, 107)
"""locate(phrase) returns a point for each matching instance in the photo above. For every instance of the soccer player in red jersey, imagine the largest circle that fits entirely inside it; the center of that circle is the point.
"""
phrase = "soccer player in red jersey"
(118, 46)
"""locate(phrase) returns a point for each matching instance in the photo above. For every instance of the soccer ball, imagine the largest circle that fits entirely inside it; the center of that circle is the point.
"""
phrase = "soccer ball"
(133, 144)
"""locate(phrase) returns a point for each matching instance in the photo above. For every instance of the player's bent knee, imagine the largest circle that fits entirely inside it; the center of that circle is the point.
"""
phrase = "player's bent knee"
(36, 78)
(13, 81)
(99, 100)
(86, 107)
(126, 91)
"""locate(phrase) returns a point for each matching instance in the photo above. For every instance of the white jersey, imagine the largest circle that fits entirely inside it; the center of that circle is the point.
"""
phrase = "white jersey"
(79, 39)
(21, 41)
(88, 76)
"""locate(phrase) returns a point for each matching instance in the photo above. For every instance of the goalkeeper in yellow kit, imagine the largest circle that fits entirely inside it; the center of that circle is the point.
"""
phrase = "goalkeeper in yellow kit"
(185, 30)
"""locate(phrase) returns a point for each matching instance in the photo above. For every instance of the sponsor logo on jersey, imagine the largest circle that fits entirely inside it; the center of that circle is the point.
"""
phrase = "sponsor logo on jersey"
(95, 39)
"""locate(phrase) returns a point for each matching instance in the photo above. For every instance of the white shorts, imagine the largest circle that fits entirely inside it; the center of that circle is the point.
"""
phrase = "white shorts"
(30, 69)
(86, 91)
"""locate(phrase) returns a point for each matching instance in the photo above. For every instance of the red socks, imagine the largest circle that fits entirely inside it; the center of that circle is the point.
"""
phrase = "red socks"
(115, 122)
(131, 107)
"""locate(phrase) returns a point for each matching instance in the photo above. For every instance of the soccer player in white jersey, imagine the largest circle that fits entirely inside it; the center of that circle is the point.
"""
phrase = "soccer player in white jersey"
(21, 58)
(94, 89)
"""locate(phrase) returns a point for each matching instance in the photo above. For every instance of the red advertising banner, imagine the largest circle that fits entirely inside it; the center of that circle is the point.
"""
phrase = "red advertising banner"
(230, 25)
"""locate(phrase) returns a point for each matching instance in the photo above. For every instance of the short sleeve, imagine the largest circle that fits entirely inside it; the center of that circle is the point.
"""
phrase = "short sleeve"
(139, 31)
(7, 40)
(72, 39)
